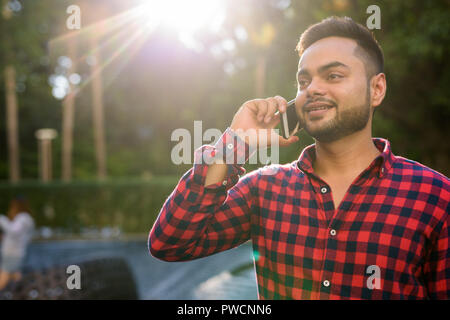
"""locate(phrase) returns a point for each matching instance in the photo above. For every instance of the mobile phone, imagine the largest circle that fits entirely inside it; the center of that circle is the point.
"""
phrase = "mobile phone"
(290, 123)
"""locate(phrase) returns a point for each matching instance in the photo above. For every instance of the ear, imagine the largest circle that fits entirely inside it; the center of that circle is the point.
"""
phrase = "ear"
(377, 89)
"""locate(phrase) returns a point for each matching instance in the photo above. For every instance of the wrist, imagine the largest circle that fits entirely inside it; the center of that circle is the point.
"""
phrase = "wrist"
(232, 148)
(239, 133)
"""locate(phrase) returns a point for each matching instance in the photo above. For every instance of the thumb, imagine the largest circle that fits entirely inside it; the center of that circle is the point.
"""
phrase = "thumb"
(286, 142)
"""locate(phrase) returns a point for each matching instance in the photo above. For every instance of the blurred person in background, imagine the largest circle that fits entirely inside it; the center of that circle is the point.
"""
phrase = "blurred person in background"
(17, 230)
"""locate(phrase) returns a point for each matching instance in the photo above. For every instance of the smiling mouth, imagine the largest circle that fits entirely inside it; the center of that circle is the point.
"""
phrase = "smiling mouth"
(317, 109)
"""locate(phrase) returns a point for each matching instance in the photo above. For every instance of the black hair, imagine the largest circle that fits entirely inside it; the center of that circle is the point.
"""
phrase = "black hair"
(368, 48)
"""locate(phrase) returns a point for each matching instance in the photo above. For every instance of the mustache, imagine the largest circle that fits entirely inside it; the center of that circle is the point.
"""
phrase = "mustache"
(324, 100)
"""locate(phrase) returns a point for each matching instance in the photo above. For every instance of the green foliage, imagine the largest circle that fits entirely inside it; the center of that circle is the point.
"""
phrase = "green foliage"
(131, 205)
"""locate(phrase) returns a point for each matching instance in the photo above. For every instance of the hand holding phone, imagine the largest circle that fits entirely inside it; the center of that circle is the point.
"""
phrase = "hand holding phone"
(263, 115)
(289, 122)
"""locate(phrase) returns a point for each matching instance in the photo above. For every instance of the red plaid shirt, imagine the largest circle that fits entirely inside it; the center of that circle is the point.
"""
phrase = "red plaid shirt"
(389, 238)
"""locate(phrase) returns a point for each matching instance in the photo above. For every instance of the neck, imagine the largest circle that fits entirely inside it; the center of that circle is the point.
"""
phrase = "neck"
(347, 156)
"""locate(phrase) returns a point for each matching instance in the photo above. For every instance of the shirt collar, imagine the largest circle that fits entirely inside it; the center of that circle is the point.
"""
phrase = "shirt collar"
(383, 163)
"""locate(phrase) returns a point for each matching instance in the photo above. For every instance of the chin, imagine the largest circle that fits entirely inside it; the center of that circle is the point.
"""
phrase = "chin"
(326, 139)
(329, 134)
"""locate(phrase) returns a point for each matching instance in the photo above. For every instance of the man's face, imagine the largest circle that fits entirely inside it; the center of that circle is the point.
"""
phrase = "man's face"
(333, 97)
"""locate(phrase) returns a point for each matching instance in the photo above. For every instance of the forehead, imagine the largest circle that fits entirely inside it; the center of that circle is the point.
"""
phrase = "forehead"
(330, 49)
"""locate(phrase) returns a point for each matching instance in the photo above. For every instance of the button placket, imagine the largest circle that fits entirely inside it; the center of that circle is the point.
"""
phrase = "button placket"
(323, 194)
(381, 173)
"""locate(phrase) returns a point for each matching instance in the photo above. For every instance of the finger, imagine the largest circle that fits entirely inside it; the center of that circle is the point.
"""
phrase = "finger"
(282, 103)
(252, 105)
(275, 120)
(262, 109)
(283, 142)
(272, 107)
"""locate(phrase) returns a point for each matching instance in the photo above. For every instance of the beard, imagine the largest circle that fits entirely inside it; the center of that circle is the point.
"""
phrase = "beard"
(345, 122)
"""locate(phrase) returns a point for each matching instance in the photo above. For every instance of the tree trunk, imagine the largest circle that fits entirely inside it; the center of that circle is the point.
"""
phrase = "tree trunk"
(68, 120)
(97, 112)
(12, 124)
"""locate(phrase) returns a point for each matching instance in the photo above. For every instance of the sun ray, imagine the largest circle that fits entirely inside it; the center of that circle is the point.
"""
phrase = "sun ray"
(108, 25)
(124, 34)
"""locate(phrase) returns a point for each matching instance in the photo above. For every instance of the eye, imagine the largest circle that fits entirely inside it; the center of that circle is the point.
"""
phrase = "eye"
(334, 76)
(302, 83)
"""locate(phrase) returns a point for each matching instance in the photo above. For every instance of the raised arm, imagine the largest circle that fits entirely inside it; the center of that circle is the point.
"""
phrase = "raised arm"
(211, 208)
(197, 220)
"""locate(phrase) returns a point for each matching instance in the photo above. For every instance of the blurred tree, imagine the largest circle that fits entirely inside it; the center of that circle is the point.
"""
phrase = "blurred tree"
(11, 97)
(27, 56)
(68, 109)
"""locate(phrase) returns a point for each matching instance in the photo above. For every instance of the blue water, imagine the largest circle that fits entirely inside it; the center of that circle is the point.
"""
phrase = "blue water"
(226, 275)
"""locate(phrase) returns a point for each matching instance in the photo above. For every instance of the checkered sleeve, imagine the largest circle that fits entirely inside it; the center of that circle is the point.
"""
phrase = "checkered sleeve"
(437, 268)
(196, 220)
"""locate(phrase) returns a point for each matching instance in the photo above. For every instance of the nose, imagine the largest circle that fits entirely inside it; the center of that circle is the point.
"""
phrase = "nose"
(315, 88)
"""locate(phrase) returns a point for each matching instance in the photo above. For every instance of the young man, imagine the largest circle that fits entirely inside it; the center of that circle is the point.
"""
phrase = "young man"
(348, 219)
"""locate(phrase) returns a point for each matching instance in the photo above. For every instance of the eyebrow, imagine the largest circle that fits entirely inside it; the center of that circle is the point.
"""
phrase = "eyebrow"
(324, 68)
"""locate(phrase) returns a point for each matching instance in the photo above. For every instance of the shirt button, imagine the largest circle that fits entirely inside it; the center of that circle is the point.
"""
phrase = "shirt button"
(224, 182)
(324, 190)
(230, 146)
(326, 283)
(333, 232)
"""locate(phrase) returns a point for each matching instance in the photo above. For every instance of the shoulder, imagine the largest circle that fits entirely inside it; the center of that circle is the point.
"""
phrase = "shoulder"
(24, 217)
(419, 173)
(422, 182)
(273, 171)
(282, 175)
(276, 170)
(429, 186)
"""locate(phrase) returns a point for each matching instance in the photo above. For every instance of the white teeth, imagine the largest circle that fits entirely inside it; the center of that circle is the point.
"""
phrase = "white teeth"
(321, 108)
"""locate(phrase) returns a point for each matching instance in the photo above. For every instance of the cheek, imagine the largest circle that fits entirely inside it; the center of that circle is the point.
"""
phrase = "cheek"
(356, 90)
(348, 95)
(300, 99)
